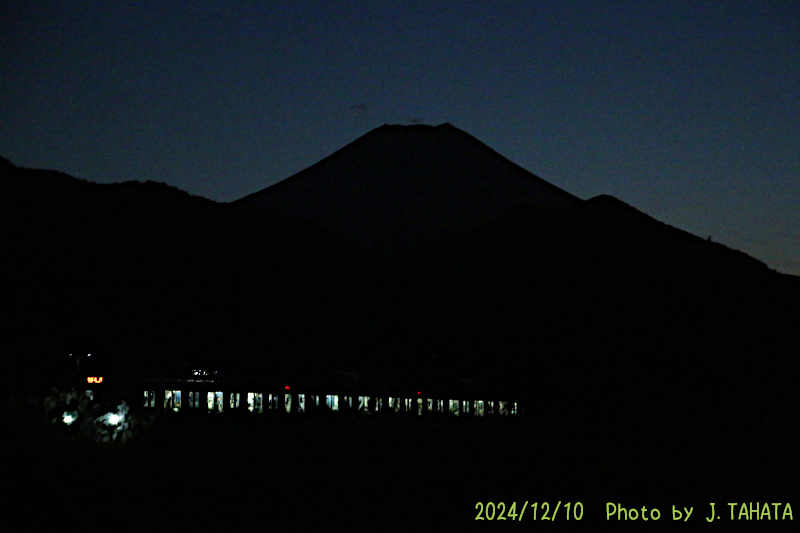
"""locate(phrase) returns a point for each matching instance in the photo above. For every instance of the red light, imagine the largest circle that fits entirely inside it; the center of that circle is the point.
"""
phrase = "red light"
(287, 387)
(418, 392)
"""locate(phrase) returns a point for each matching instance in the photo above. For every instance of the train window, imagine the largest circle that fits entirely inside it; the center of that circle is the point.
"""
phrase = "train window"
(430, 405)
(408, 404)
(478, 407)
(254, 402)
(514, 408)
(210, 401)
(301, 403)
(503, 409)
(465, 405)
(149, 398)
(332, 401)
(454, 407)
(287, 402)
(234, 400)
(218, 401)
(167, 399)
(419, 406)
(363, 404)
(176, 400)
(491, 407)
(378, 404)
(346, 402)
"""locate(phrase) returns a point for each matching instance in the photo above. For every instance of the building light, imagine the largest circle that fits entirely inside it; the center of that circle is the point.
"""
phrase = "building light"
(69, 417)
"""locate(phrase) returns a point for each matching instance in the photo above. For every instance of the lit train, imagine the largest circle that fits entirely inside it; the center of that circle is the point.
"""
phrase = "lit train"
(201, 390)
(100, 399)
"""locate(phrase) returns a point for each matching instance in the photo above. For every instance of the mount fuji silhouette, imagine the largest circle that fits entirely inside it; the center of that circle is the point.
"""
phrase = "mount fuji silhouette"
(399, 186)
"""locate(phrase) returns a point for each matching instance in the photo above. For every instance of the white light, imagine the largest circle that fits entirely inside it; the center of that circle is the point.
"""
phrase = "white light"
(114, 419)
(68, 418)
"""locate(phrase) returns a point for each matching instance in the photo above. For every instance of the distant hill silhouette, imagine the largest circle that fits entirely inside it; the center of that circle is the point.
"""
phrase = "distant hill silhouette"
(151, 275)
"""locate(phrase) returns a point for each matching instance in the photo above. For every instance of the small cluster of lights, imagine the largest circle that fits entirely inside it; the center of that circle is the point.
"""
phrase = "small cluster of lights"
(204, 373)
(94, 379)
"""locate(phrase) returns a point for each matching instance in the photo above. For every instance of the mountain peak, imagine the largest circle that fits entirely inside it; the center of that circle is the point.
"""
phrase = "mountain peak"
(398, 186)
(443, 125)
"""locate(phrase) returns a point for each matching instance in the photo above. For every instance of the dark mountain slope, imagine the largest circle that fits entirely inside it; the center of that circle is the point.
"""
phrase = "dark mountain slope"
(150, 275)
(398, 186)
(591, 299)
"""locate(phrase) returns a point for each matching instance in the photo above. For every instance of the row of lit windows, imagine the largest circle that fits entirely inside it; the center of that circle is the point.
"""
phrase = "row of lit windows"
(218, 401)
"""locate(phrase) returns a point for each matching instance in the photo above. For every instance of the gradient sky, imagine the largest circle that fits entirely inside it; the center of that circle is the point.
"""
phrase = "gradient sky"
(687, 110)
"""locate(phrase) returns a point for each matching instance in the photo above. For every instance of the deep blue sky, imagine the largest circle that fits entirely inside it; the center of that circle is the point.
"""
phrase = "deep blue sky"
(689, 111)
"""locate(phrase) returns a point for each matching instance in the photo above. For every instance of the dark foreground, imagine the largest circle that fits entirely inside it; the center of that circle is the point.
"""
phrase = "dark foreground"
(367, 473)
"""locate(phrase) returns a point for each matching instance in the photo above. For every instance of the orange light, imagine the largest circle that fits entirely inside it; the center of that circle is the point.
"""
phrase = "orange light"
(93, 379)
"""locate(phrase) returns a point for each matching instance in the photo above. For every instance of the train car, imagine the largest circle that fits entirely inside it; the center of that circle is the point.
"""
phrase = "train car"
(199, 389)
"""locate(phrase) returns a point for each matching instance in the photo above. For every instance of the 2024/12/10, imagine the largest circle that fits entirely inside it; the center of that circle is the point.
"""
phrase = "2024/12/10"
(490, 510)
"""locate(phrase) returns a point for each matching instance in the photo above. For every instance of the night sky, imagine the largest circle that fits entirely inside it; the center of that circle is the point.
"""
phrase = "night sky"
(689, 111)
